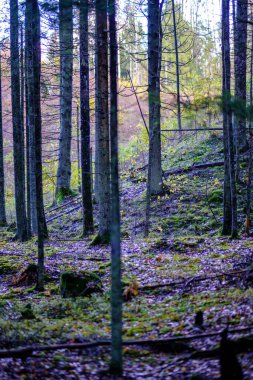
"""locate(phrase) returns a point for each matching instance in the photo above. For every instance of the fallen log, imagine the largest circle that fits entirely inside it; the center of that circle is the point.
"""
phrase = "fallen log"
(192, 130)
(240, 345)
(73, 200)
(23, 352)
(63, 213)
(187, 281)
(194, 167)
(184, 170)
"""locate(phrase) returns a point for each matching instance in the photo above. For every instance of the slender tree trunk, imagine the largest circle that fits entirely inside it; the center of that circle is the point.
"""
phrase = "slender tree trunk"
(18, 132)
(32, 141)
(249, 184)
(116, 287)
(230, 201)
(27, 153)
(85, 120)
(102, 122)
(66, 63)
(96, 176)
(34, 54)
(234, 119)
(177, 65)
(154, 46)
(22, 116)
(2, 188)
(32, 109)
(22, 82)
(240, 70)
(78, 149)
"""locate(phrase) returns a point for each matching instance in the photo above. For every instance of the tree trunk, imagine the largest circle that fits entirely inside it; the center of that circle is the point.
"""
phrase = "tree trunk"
(2, 189)
(249, 184)
(177, 65)
(31, 134)
(102, 122)
(240, 71)
(34, 54)
(230, 200)
(154, 48)
(66, 63)
(27, 152)
(116, 287)
(18, 132)
(234, 120)
(85, 120)
(78, 149)
(24, 123)
(33, 118)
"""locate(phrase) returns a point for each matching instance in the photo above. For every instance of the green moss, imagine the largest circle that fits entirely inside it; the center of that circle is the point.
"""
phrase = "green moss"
(224, 246)
(9, 264)
(60, 357)
(160, 243)
(105, 265)
(79, 284)
(12, 227)
(216, 196)
(63, 193)
(50, 251)
(100, 239)
(179, 258)
(129, 351)
(27, 312)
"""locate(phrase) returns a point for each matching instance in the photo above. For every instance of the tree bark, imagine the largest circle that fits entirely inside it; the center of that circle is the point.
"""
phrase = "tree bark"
(3, 221)
(250, 164)
(177, 65)
(31, 132)
(18, 132)
(66, 72)
(102, 122)
(230, 199)
(24, 123)
(33, 115)
(34, 53)
(116, 287)
(85, 120)
(27, 152)
(154, 48)
(240, 61)
(78, 149)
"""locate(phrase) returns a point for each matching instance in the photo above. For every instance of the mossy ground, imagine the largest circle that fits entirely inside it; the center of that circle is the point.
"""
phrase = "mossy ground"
(184, 242)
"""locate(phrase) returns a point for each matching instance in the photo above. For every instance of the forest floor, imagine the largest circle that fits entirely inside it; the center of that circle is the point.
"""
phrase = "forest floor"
(185, 250)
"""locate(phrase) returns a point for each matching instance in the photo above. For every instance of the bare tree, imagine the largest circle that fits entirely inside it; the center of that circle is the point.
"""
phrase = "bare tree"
(230, 199)
(240, 61)
(116, 292)
(177, 65)
(30, 130)
(18, 132)
(85, 119)
(66, 71)
(250, 164)
(154, 69)
(33, 83)
(102, 122)
(2, 188)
